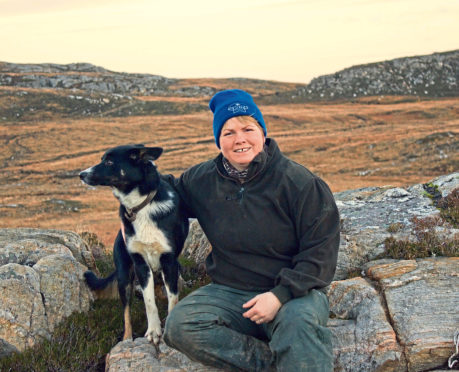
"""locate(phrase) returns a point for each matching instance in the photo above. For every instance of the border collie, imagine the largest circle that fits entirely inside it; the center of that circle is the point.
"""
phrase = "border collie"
(153, 230)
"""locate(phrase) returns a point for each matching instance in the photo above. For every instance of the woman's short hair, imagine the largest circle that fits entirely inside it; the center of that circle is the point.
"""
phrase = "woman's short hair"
(247, 119)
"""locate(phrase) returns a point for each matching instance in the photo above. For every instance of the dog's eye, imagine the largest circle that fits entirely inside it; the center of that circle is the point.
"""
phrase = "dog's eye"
(108, 162)
(133, 156)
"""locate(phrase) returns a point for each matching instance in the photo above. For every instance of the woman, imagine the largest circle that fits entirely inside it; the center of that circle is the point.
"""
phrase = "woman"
(274, 231)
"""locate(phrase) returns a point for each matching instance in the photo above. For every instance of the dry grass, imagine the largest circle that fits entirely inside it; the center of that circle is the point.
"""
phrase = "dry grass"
(350, 144)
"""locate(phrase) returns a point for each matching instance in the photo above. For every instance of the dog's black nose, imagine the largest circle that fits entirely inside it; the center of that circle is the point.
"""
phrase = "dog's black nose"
(83, 175)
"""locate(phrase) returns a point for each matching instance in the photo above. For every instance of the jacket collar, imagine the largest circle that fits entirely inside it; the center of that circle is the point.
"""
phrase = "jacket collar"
(258, 164)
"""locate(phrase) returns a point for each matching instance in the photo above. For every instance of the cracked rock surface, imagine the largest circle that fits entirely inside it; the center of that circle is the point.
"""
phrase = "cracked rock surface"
(422, 299)
(141, 356)
(41, 283)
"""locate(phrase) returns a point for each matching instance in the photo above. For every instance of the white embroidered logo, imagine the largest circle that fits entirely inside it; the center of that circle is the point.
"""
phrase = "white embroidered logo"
(237, 107)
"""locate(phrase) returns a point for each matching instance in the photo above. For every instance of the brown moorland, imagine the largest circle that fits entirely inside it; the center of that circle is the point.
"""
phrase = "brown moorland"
(371, 141)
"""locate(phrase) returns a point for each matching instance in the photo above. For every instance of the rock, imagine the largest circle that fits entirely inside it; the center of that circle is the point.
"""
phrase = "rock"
(63, 287)
(140, 356)
(26, 246)
(41, 283)
(197, 246)
(367, 214)
(363, 337)
(446, 184)
(22, 310)
(422, 301)
(6, 348)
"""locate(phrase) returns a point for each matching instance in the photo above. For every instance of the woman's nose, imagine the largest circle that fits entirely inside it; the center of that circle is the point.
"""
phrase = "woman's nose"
(240, 137)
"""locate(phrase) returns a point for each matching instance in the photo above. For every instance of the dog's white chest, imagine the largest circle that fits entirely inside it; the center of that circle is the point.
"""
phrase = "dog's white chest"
(150, 253)
(148, 241)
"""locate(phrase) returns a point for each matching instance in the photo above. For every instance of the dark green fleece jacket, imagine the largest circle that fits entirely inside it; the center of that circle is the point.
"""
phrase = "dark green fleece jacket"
(278, 231)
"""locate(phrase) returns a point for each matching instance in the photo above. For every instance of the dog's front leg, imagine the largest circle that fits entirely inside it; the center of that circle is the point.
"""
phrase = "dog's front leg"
(146, 280)
(153, 333)
(172, 298)
(170, 274)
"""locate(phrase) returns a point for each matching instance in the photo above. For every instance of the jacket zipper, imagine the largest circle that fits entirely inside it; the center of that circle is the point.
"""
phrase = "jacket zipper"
(240, 194)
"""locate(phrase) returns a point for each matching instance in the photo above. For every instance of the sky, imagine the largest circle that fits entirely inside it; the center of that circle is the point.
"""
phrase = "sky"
(282, 40)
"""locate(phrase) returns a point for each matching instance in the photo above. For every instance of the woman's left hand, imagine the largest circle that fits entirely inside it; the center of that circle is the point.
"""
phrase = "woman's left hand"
(263, 308)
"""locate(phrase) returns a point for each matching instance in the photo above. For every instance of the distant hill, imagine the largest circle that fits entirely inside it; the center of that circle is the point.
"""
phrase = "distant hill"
(434, 75)
(90, 78)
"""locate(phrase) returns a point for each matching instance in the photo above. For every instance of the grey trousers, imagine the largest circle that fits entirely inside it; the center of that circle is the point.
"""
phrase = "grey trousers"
(209, 328)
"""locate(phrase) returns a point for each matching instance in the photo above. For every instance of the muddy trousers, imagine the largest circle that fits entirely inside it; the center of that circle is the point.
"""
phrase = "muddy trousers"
(209, 328)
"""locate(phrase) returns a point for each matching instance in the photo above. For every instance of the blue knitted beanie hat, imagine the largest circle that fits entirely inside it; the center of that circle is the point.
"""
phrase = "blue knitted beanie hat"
(233, 102)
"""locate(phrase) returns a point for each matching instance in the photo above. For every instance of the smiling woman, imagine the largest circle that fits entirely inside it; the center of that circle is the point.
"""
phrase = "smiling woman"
(274, 231)
(239, 127)
(241, 140)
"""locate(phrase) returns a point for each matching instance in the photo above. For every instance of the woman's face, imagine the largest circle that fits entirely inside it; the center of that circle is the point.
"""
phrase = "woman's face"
(241, 141)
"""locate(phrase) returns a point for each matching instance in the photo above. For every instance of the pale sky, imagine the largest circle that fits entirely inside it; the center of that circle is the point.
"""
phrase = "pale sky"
(284, 40)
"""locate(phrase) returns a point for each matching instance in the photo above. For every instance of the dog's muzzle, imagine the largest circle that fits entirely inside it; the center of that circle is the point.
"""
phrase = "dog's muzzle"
(85, 176)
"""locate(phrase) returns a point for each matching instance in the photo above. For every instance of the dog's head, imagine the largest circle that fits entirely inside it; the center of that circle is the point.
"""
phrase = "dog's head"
(125, 168)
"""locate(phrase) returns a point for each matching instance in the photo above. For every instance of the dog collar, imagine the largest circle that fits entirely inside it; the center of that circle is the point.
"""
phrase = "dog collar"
(131, 213)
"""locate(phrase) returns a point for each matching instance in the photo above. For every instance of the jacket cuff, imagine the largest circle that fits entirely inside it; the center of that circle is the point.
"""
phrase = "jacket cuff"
(282, 293)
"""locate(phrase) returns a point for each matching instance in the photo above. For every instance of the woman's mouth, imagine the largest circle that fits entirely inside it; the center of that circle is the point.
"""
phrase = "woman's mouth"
(242, 150)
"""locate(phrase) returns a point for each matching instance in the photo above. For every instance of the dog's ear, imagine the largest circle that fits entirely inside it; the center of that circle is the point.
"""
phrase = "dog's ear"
(150, 153)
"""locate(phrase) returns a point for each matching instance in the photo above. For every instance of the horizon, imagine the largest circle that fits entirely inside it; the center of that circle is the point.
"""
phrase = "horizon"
(217, 78)
(278, 40)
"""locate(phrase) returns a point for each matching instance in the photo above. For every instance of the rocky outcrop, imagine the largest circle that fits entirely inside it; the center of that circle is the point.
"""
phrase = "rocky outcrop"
(140, 356)
(422, 298)
(197, 247)
(435, 75)
(25, 246)
(401, 316)
(395, 315)
(368, 215)
(41, 283)
(87, 77)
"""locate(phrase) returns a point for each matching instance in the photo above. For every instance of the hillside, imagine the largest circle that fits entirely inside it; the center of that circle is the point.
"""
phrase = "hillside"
(434, 75)
(56, 120)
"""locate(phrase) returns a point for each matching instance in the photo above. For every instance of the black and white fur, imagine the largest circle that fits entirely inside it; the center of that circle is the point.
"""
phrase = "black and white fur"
(152, 241)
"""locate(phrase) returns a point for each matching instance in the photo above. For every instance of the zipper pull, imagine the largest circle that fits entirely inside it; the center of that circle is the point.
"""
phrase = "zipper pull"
(240, 194)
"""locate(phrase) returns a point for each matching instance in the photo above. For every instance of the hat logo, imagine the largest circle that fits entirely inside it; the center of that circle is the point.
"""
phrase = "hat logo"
(237, 107)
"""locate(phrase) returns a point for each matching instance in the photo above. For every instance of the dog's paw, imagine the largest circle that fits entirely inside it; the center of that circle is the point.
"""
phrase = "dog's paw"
(153, 335)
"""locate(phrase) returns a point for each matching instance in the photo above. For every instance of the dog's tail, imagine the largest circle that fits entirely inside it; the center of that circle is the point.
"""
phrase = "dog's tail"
(102, 287)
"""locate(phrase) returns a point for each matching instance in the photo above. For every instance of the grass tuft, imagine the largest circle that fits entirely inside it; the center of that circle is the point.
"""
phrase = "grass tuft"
(395, 227)
(427, 242)
(354, 272)
(193, 274)
(81, 342)
(449, 208)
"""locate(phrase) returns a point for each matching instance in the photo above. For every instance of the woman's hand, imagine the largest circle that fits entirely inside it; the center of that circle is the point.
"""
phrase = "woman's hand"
(263, 308)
